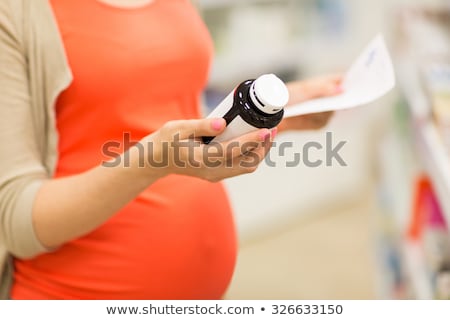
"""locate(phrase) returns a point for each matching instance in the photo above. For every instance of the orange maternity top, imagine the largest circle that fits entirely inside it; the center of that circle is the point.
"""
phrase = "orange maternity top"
(134, 70)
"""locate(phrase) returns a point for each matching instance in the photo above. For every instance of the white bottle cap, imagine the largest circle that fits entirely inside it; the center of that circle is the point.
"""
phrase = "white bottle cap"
(269, 93)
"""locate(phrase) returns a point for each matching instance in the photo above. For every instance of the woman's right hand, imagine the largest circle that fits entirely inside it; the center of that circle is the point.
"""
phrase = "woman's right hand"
(177, 149)
(69, 207)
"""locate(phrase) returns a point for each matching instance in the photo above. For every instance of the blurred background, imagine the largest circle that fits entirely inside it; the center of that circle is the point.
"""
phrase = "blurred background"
(377, 228)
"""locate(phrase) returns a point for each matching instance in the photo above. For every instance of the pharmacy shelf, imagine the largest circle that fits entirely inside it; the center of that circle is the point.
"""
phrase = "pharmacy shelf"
(431, 149)
(436, 161)
(423, 39)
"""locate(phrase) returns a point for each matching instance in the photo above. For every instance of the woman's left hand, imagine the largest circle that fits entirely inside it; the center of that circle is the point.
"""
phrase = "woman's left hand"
(300, 91)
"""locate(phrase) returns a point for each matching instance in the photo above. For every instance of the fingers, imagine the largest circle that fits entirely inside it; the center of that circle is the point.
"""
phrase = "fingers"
(255, 156)
(241, 155)
(331, 79)
(248, 162)
(214, 161)
(246, 143)
(315, 88)
(335, 78)
(323, 86)
(193, 128)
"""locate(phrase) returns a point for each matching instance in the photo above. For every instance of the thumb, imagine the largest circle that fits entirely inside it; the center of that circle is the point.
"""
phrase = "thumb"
(195, 128)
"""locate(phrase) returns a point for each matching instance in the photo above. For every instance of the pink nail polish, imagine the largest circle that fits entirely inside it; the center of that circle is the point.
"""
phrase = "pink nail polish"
(274, 132)
(264, 135)
(339, 88)
(217, 125)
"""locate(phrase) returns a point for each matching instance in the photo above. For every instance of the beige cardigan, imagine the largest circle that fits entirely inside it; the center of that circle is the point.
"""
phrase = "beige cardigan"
(33, 71)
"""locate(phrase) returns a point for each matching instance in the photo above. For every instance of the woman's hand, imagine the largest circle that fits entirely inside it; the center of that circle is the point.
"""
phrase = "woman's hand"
(300, 91)
(69, 207)
(177, 148)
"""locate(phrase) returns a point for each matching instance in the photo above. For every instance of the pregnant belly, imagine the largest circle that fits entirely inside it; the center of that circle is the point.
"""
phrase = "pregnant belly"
(175, 241)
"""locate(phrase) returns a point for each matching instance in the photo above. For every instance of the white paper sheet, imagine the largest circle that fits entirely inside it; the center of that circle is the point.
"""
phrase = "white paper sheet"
(370, 77)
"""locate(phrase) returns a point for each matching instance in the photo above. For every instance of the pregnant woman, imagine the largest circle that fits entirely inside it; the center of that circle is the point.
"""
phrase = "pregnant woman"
(75, 75)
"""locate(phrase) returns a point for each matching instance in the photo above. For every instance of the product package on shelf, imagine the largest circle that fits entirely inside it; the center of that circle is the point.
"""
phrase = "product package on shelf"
(429, 229)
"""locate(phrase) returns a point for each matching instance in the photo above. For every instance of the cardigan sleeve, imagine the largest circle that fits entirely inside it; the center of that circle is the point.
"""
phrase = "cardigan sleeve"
(21, 169)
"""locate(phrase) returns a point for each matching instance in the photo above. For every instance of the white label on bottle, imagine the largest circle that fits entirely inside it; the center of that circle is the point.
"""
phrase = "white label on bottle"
(236, 128)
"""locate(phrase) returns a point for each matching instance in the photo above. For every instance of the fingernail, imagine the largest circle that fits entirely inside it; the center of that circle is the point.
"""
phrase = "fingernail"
(264, 135)
(339, 88)
(217, 124)
(274, 132)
